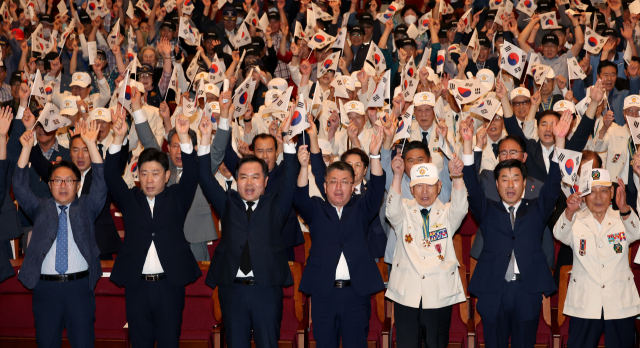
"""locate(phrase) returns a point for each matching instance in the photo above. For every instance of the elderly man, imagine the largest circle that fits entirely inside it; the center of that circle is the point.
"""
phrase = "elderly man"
(356, 135)
(81, 87)
(425, 283)
(602, 294)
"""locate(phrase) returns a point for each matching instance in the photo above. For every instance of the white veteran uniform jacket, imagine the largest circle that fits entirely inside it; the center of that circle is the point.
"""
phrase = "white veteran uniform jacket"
(418, 273)
(614, 152)
(601, 278)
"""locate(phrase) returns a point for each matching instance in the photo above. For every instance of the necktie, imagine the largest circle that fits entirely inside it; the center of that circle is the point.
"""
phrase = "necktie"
(425, 137)
(495, 149)
(179, 175)
(100, 146)
(229, 182)
(62, 247)
(521, 124)
(425, 213)
(245, 259)
(512, 262)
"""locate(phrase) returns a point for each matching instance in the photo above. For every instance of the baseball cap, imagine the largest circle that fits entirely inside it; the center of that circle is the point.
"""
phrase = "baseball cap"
(550, 38)
(273, 15)
(354, 77)
(229, 13)
(69, 106)
(401, 29)
(520, 92)
(424, 173)
(212, 89)
(631, 101)
(491, 15)
(325, 147)
(354, 106)
(215, 107)
(544, 6)
(210, 35)
(3, 40)
(168, 24)
(278, 83)
(486, 77)
(483, 40)
(252, 51)
(16, 76)
(18, 34)
(145, 69)
(81, 79)
(562, 105)
(100, 114)
(424, 98)
(365, 18)
(609, 32)
(84, 17)
(600, 177)
(348, 82)
(45, 18)
(357, 29)
(407, 42)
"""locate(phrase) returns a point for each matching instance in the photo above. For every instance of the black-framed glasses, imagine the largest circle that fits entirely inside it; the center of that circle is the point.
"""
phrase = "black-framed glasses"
(58, 182)
(343, 182)
(522, 103)
(510, 152)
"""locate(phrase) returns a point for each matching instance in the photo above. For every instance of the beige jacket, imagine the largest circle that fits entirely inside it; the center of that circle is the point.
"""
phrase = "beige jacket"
(601, 278)
(417, 271)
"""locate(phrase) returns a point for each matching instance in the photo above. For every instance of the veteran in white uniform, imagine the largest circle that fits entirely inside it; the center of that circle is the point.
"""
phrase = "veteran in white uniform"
(602, 295)
(425, 283)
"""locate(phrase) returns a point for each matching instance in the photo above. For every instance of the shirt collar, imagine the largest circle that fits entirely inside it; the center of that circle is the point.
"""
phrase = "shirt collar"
(516, 206)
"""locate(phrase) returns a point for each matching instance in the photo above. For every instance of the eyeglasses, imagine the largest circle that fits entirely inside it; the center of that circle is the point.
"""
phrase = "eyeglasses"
(356, 35)
(523, 103)
(343, 182)
(100, 59)
(510, 152)
(632, 112)
(58, 182)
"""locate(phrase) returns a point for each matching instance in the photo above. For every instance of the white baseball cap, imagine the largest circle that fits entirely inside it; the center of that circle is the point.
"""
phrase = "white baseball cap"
(354, 76)
(520, 92)
(212, 89)
(100, 114)
(325, 147)
(348, 82)
(631, 101)
(551, 74)
(354, 106)
(486, 77)
(279, 84)
(201, 75)
(424, 173)
(215, 107)
(562, 105)
(600, 177)
(68, 106)
(424, 98)
(81, 79)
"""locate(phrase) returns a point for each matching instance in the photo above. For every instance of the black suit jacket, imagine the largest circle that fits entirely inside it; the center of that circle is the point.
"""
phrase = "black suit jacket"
(535, 161)
(107, 235)
(165, 227)
(263, 232)
(6, 270)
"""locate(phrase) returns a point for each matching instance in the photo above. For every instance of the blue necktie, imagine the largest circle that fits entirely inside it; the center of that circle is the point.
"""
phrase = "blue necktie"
(62, 249)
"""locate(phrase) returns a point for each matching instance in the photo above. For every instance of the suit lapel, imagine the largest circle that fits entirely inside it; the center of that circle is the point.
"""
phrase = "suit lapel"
(174, 174)
(86, 185)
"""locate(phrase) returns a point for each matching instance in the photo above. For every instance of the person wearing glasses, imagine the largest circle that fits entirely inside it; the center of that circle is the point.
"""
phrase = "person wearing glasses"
(62, 264)
(341, 273)
(81, 87)
(620, 149)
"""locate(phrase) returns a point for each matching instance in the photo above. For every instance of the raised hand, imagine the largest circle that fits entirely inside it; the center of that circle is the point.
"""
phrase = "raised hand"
(164, 110)
(455, 165)
(28, 119)
(633, 69)
(607, 119)
(24, 94)
(621, 197)
(463, 61)
(303, 156)
(26, 139)
(119, 125)
(243, 148)
(561, 129)
(466, 130)
(376, 142)
(561, 82)
(305, 67)
(481, 137)
(536, 99)
(397, 165)
(6, 116)
(206, 129)
(182, 125)
(573, 203)
(136, 99)
(597, 91)
(89, 133)
(334, 121)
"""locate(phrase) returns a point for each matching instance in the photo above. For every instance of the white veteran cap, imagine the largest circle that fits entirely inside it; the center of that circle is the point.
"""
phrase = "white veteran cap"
(354, 106)
(600, 177)
(424, 173)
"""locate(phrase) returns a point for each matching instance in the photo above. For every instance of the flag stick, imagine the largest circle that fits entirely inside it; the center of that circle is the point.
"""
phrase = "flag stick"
(34, 125)
(404, 142)
(310, 53)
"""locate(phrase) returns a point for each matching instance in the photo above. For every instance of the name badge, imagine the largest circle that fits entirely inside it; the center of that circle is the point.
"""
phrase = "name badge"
(438, 235)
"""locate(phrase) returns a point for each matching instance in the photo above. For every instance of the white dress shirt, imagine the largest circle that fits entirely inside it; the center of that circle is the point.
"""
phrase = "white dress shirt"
(342, 271)
(515, 211)
(76, 262)
(82, 181)
(240, 274)
(546, 153)
(152, 262)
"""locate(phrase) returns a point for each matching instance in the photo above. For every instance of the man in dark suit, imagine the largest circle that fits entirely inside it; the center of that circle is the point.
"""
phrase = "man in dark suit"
(62, 264)
(510, 147)
(107, 235)
(509, 288)
(155, 262)
(249, 266)
(265, 147)
(341, 273)
(6, 270)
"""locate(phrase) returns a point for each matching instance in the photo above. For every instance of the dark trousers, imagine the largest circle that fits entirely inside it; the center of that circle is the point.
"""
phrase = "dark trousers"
(585, 333)
(517, 316)
(344, 313)
(106, 257)
(57, 305)
(416, 327)
(251, 307)
(154, 313)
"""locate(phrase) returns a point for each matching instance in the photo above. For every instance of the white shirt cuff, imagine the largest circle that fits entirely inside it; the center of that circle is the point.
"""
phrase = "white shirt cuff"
(113, 149)
(477, 149)
(20, 113)
(468, 160)
(224, 124)
(204, 150)
(186, 148)
(289, 148)
(138, 117)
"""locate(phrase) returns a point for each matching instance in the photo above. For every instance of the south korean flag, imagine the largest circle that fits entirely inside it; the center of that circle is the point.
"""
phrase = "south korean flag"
(527, 7)
(569, 162)
(466, 91)
(575, 71)
(243, 95)
(593, 42)
(549, 21)
(512, 59)
(217, 70)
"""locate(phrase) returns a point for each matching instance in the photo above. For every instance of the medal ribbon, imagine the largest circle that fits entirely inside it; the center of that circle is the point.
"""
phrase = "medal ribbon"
(425, 226)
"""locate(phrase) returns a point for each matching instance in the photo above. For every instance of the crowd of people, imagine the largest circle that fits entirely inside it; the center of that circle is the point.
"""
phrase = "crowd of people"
(376, 128)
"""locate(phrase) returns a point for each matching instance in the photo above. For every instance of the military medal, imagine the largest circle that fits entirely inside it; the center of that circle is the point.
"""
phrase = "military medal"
(426, 243)
(583, 247)
(439, 250)
(617, 248)
(408, 238)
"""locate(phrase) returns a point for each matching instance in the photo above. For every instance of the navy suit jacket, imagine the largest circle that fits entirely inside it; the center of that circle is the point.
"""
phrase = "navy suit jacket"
(43, 211)
(6, 270)
(263, 232)
(376, 236)
(165, 227)
(535, 161)
(291, 231)
(500, 239)
(332, 235)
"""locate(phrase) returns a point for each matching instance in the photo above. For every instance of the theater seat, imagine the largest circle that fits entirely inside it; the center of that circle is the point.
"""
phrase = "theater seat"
(293, 323)
(199, 325)
(16, 321)
(110, 311)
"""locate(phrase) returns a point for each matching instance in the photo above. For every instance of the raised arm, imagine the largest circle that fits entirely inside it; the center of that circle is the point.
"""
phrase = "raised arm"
(286, 189)
(477, 199)
(524, 35)
(211, 188)
(118, 189)
(25, 197)
(98, 195)
(223, 133)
